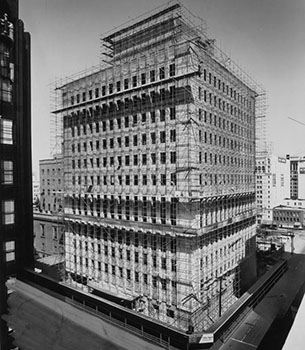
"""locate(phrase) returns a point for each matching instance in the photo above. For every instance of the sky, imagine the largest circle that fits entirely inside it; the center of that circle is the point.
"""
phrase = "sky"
(265, 37)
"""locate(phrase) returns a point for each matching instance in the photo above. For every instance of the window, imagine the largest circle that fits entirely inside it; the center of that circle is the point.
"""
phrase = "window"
(118, 86)
(153, 116)
(6, 131)
(172, 113)
(154, 179)
(127, 160)
(126, 122)
(134, 81)
(162, 115)
(135, 140)
(126, 141)
(8, 212)
(170, 313)
(143, 78)
(162, 136)
(172, 70)
(144, 180)
(153, 158)
(153, 138)
(126, 84)
(110, 88)
(6, 172)
(9, 251)
(163, 284)
(172, 135)
(162, 157)
(173, 179)
(135, 159)
(162, 73)
(173, 157)
(135, 120)
(152, 75)
(136, 180)
(144, 159)
(163, 179)
(143, 139)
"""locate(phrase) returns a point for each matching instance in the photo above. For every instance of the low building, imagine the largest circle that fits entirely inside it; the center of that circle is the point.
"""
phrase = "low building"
(51, 184)
(290, 217)
(48, 232)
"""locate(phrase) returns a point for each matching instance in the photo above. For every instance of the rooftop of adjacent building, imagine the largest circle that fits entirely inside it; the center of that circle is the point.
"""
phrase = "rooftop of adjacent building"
(267, 325)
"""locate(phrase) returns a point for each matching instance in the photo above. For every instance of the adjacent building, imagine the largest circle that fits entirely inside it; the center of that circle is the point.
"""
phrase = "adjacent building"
(289, 217)
(16, 219)
(272, 184)
(48, 233)
(297, 176)
(51, 184)
(158, 163)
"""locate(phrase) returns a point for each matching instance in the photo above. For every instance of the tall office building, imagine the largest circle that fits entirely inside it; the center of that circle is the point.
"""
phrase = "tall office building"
(159, 159)
(15, 150)
(297, 176)
(272, 184)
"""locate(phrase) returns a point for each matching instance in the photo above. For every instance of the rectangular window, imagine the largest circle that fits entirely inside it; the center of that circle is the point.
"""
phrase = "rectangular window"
(144, 181)
(6, 131)
(152, 76)
(162, 136)
(163, 179)
(8, 212)
(6, 172)
(162, 157)
(143, 139)
(9, 251)
(153, 138)
(134, 81)
(173, 179)
(118, 86)
(172, 69)
(172, 113)
(162, 73)
(143, 78)
(173, 136)
(153, 158)
(126, 122)
(135, 159)
(173, 157)
(126, 84)
(154, 179)
(162, 115)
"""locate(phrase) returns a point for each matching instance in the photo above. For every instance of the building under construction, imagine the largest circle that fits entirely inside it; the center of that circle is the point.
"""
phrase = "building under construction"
(158, 147)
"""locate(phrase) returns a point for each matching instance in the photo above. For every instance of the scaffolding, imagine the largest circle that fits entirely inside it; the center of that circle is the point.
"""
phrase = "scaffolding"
(159, 155)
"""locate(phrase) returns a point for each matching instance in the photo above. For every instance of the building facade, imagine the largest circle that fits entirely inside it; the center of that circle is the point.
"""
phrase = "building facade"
(48, 233)
(272, 184)
(16, 239)
(297, 176)
(289, 217)
(51, 184)
(159, 159)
